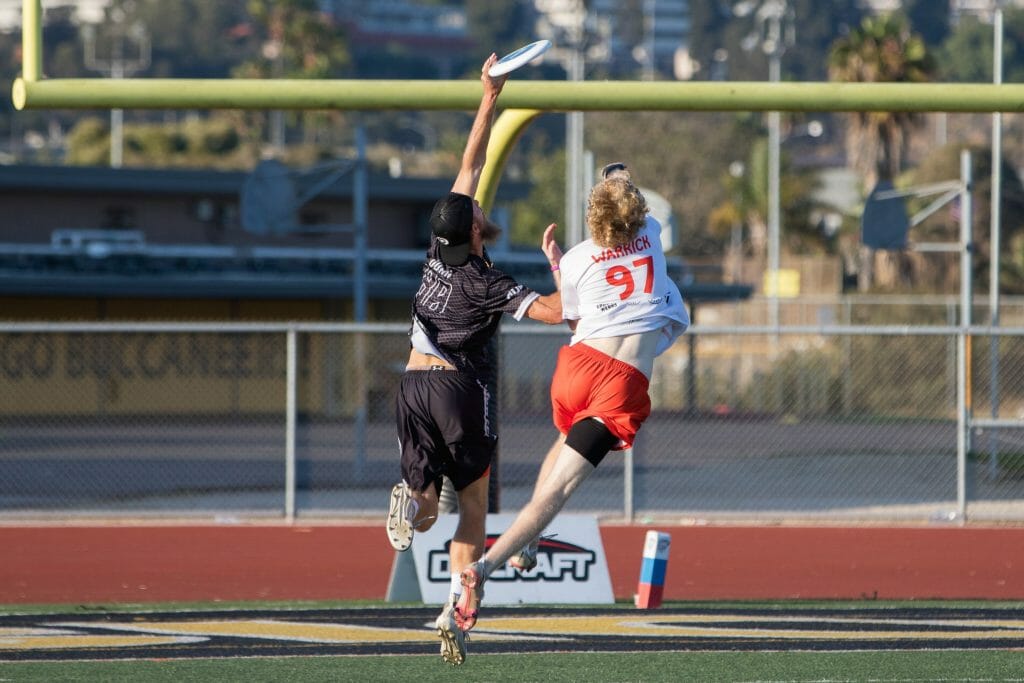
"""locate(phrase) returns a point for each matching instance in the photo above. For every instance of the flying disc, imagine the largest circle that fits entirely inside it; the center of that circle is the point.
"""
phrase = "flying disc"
(514, 60)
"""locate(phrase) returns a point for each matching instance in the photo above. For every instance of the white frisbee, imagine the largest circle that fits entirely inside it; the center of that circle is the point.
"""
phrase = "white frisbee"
(514, 60)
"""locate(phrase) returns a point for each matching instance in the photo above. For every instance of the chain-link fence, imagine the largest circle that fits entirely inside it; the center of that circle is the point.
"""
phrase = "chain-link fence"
(835, 423)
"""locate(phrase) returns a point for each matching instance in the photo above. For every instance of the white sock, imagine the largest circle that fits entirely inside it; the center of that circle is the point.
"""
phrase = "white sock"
(456, 587)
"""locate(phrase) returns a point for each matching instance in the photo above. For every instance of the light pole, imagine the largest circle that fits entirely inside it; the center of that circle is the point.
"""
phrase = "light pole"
(997, 164)
(117, 66)
(567, 29)
(650, 17)
(579, 35)
(737, 170)
(574, 155)
(273, 52)
(995, 227)
(774, 32)
(774, 46)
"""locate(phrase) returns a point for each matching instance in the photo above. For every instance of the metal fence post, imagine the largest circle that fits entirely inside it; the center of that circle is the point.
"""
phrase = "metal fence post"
(291, 364)
(963, 443)
(627, 484)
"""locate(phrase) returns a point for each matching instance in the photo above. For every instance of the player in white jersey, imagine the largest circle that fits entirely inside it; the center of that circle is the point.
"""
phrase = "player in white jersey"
(624, 311)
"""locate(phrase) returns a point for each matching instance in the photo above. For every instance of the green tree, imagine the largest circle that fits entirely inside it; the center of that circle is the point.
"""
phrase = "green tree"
(499, 26)
(62, 45)
(707, 40)
(89, 143)
(944, 164)
(680, 156)
(299, 41)
(929, 19)
(211, 142)
(881, 50)
(817, 25)
(546, 203)
(966, 55)
(746, 204)
(736, 31)
(62, 58)
(195, 38)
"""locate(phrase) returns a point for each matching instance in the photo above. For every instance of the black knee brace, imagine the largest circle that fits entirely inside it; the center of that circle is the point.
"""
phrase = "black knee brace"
(591, 439)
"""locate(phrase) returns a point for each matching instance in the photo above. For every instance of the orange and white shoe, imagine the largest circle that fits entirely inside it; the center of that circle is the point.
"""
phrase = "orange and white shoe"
(468, 604)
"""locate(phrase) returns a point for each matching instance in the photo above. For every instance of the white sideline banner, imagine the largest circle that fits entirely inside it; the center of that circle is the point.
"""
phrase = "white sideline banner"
(571, 566)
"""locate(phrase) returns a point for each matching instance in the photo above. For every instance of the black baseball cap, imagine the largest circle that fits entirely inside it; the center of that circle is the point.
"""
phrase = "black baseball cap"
(452, 224)
(614, 167)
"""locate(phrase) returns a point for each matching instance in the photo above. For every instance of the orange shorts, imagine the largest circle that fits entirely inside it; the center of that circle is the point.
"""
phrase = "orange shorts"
(588, 383)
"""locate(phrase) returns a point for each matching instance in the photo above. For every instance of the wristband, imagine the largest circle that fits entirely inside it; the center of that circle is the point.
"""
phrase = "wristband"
(554, 267)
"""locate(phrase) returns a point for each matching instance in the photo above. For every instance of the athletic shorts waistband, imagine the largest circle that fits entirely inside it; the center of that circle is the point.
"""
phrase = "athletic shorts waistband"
(620, 365)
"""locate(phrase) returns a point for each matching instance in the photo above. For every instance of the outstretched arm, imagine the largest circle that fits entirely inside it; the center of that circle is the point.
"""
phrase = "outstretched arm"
(475, 155)
(553, 252)
(548, 308)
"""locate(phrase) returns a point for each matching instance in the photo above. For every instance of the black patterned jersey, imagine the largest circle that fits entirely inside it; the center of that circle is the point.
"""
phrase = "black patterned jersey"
(457, 310)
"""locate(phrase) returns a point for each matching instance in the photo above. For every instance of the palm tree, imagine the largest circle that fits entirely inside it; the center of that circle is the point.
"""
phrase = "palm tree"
(881, 50)
(300, 41)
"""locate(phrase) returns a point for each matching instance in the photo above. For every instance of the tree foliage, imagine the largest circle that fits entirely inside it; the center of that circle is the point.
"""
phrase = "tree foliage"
(881, 50)
(818, 25)
(211, 142)
(299, 41)
(682, 156)
(546, 203)
(943, 226)
(929, 19)
(729, 41)
(698, 145)
(499, 26)
(194, 39)
(966, 55)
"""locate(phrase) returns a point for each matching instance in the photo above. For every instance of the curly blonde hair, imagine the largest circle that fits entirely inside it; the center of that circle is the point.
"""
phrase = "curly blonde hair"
(615, 212)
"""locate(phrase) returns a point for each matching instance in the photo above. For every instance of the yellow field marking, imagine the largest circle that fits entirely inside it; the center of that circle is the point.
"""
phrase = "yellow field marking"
(73, 635)
(668, 626)
(288, 630)
(62, 639)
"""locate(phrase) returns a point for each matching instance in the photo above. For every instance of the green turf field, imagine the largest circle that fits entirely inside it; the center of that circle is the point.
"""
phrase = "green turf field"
(788, 641)
(583, 667)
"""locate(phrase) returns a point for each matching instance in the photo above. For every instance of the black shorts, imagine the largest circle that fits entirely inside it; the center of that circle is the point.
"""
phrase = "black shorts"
(443, 428)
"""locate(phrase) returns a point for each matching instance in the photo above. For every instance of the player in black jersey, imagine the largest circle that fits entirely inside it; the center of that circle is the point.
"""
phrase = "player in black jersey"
(441, 408)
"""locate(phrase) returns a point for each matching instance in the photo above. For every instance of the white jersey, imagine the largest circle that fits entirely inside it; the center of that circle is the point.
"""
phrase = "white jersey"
(622, 291)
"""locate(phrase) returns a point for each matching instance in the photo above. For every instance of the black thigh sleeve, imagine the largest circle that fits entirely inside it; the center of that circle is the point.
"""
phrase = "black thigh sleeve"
(591, 439)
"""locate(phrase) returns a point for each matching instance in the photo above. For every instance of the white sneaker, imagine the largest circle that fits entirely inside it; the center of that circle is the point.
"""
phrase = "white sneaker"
(400, 514)
(526, 559)
(453, 639)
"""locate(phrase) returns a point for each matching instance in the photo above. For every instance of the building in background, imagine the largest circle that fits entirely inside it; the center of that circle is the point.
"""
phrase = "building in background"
(983, 9)
(74, 239)
(434, 35)
(614, 36)
(86, 11)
